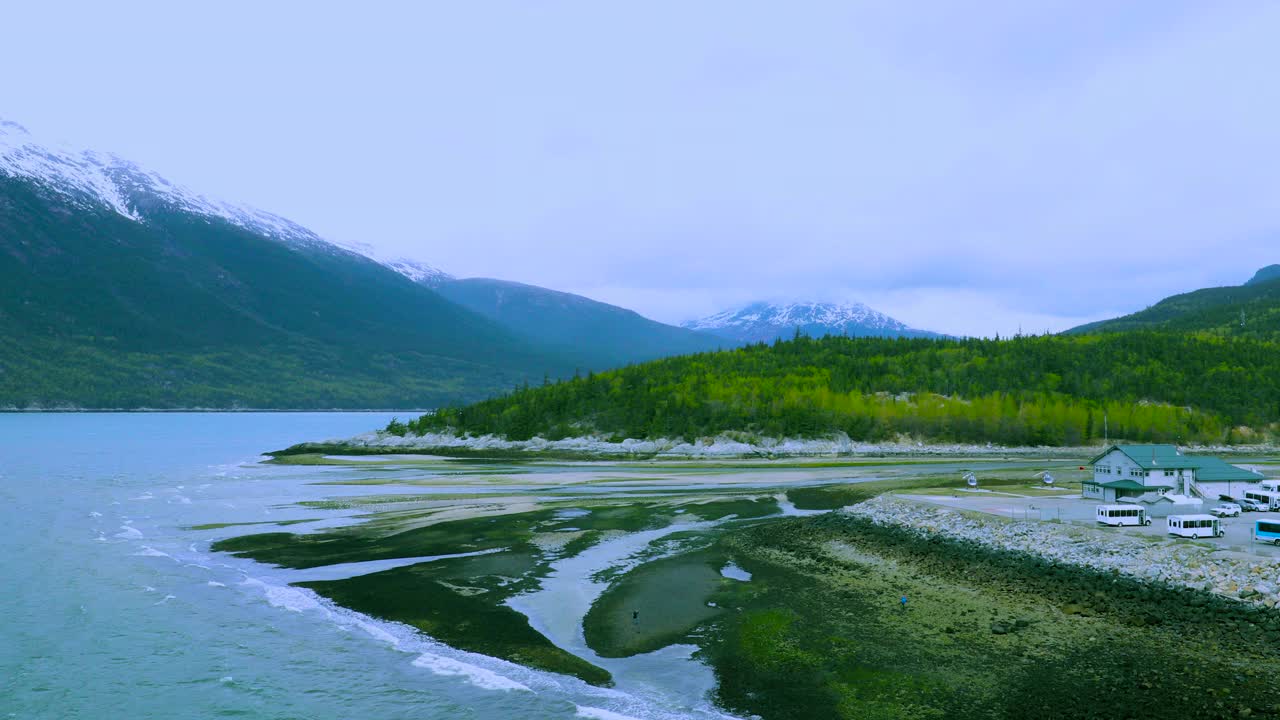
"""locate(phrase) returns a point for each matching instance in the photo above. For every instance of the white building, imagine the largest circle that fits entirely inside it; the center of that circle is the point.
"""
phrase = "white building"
(1130, 471)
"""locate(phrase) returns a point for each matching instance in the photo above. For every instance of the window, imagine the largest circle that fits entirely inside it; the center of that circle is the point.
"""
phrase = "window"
(1269, 527)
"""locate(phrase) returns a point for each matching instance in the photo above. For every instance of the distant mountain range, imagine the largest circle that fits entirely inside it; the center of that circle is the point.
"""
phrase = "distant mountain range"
(766, 322)
(596, 334)
(123, 289)
(1248, 310)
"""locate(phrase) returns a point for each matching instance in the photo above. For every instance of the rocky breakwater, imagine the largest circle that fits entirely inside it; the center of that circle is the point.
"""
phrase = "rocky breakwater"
(1252, 580)
(727, 445)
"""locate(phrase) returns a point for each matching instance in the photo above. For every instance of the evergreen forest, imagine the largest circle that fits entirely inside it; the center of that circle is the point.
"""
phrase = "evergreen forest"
(1026, 390)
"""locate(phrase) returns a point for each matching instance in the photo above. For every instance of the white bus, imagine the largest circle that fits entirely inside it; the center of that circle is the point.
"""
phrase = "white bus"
(1195, 526)
(1266, 498)
(1270, 485)
(1116, 515)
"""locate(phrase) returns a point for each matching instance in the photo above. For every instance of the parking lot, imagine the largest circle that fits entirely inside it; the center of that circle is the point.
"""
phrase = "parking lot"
(1076, 510)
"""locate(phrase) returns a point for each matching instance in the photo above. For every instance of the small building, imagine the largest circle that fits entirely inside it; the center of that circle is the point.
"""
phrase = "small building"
(1132, 471)
(1159, 505)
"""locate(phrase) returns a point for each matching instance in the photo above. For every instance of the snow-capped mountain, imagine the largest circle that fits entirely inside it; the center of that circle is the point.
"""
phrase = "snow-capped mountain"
(765, 322)
(91, 179)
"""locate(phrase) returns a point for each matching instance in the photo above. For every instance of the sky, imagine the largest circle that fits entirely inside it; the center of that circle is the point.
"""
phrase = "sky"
(970, 168)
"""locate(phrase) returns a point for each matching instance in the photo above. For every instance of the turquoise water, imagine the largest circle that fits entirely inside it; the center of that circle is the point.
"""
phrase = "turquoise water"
(113, 607)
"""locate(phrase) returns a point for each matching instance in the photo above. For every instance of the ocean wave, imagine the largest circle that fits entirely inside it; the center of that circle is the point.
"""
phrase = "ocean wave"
(283, 596)
(148, 551)
(478, 676)
(600, 714)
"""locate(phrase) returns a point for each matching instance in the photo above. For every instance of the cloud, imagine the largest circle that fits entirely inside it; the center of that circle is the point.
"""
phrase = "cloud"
(968, 168)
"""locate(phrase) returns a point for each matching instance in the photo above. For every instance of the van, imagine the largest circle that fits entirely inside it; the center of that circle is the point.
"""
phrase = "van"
(1195, 526)
(1117, 515)
(1269, 500)
(1267, 531)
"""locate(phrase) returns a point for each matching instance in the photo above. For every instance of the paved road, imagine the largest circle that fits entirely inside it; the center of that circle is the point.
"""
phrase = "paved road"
(1078, 511)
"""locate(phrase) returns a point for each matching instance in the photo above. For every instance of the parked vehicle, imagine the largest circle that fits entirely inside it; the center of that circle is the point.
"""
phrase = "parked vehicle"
(1267, 531)
(1272, 485)
(1195, 526)
(1248, 505)
(1267, 499)
(1226, 510)
(1117, 515)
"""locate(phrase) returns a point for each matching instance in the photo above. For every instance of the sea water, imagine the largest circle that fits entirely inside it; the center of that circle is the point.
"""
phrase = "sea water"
(112, 606)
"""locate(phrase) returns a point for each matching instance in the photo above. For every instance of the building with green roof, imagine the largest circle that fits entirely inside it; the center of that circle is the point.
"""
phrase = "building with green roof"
(1133, 470)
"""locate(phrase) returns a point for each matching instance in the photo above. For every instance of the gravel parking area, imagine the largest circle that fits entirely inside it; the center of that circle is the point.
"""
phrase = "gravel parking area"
(1076, 510)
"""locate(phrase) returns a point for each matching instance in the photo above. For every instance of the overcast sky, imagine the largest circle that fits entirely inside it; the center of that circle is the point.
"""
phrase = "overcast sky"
(968, 167)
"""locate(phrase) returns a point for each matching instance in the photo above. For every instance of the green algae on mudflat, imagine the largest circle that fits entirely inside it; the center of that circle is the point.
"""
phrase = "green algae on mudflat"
(461, 602)
(657, 604)
(820, 631)
(277, 523)
(361, 542)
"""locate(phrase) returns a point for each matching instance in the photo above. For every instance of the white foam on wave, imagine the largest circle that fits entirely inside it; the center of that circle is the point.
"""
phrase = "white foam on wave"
(215, 583)
(144, 496)
(148, 551)
(95, 514)
(289, 598)
(478, 676)
(600, 714)
(129, 533)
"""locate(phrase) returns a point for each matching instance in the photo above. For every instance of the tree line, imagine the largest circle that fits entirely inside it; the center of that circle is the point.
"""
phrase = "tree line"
(1036, 390)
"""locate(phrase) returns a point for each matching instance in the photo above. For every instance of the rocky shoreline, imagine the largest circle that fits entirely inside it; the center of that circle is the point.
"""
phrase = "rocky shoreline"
(727, 446)
(1251, 580)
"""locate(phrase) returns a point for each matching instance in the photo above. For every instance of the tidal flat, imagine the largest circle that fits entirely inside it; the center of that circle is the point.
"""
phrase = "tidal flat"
(772, 602)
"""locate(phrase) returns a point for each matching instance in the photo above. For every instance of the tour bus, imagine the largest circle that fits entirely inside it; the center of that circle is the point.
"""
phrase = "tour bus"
(1195, 526)
(1266, 498)
(1267, 531)
(1116, 515)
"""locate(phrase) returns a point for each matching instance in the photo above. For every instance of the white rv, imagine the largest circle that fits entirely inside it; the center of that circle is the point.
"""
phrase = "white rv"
(1195, 526)
(1270, 485)
(1116, 515)
(1268, 499)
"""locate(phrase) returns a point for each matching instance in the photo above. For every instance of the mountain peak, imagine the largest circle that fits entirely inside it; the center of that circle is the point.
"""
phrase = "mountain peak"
(1266, 274)
(766, 321)
(96, 179)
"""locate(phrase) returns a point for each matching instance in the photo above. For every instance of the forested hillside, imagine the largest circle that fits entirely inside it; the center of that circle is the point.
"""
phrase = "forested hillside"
(1053, 390)
(102, 310)
(1251, 310)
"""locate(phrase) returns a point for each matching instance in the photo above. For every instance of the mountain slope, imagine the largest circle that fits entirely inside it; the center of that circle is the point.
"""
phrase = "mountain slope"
(1266, 274)
(123, 290)
(1249, 310)
(601, 335)
(766, 322)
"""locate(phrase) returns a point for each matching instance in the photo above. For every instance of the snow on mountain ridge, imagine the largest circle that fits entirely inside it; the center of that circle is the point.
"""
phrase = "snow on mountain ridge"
(798, 313)
(90, 178)
(763, 321)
